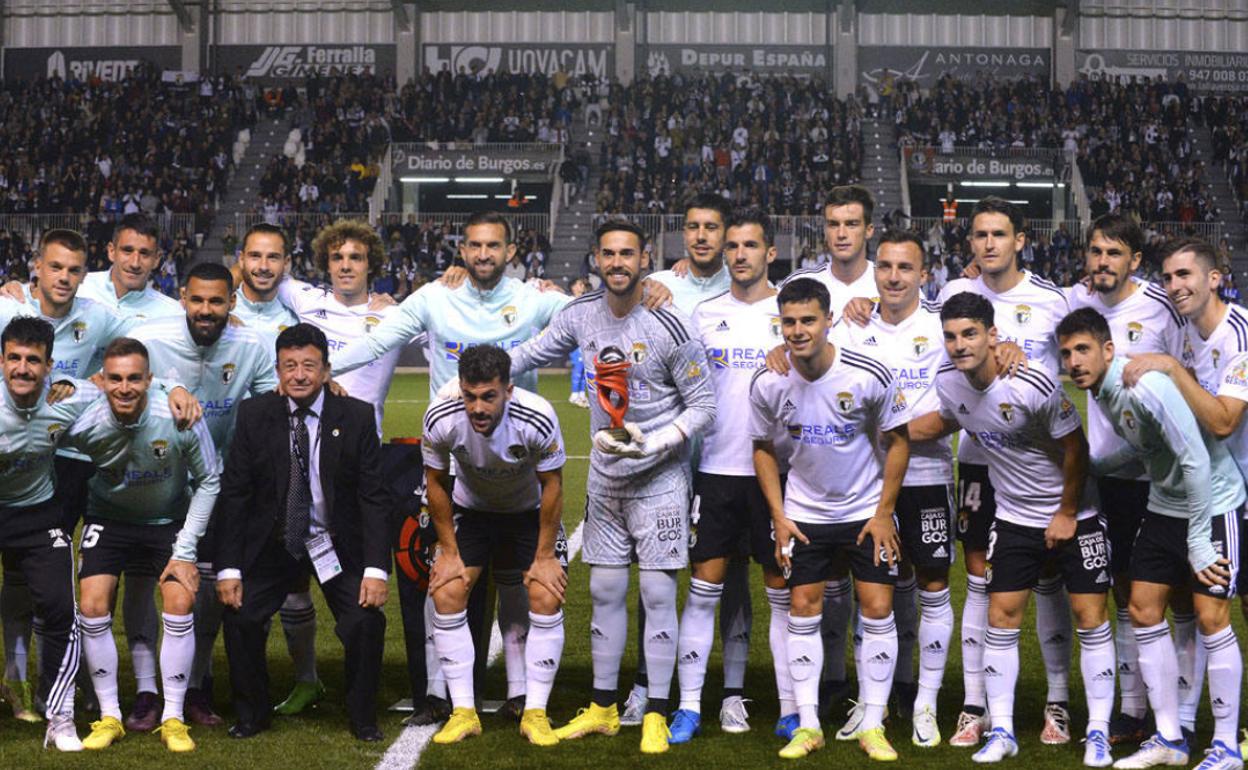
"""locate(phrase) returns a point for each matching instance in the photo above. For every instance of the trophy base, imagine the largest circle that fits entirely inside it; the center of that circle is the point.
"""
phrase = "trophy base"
(620, 434)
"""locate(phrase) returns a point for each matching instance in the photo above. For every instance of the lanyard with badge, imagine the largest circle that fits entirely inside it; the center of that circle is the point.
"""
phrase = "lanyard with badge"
(321, 546)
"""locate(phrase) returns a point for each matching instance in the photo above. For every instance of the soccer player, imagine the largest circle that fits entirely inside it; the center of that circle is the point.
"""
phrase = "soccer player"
(263, 262)
(904, 333)
(737, 329)
(705, 274)
(1141, 320)
(139, 509)
(506, 505)
(1037, 458)
(1194, 502)
(840, 410)
(638, 490)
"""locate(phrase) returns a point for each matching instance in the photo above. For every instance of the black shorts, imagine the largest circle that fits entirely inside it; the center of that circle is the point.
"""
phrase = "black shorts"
(812, 562)
(925, 524)
(1017, 556)
(504, 540)
(1161, 552)
(110, 547)
(729, 517)
(72, 476)
(1123, 505)
(977, 506)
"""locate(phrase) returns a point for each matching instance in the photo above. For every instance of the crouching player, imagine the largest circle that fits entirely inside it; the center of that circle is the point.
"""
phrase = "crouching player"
(1194, 503)
(506, 505)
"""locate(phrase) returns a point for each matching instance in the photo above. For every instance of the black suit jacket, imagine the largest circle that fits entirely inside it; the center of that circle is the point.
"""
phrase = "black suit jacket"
(252, 503)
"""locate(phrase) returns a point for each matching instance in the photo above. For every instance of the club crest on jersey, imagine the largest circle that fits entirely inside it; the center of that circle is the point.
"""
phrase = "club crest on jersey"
(227, 372)
(370, 323)
(551, 450)
(718, 357)
(80, 331)
(1068, 407)
(1135, 332)
(160, 449)
(55, 430)
(517, 451)
(694, 371)
(510, 315)
(1239, 373)
(1128, 419)
(774, 328)
(1007, 412)
(899, 402)
(845, 401)
(1022, 314)
(921, 344)
(638, 353)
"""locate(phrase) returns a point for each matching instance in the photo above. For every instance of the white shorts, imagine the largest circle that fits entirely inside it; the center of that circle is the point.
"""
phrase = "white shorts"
(654, 528)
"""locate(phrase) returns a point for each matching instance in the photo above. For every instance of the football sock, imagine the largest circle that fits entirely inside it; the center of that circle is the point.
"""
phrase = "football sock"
(974, 625)
(436, 687)
(777, 638)
(857, 630)
(1191, 671)
(1134, 694)
(513, 625)
(299, 626)
(906, 611)
(837, 604)
(608, 629)
(1001, 675)
(208, 610)
(658, 591)
(1053, 626)
(879, 661)
(935, 631)
(101, 652)
(1159, 669)
(805, 650)
(542, 653)
(177, 651)
(138, 609)
(1226, 675)
(455, 650)
(16, 615)
(697, 634)
(736, 618)
(1096, 663)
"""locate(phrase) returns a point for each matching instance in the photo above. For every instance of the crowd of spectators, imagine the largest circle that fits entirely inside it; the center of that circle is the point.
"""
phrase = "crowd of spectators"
(778, 143)
(1227, 118)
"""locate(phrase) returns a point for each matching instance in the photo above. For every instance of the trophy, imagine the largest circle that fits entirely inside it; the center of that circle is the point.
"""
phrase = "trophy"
(611, 379)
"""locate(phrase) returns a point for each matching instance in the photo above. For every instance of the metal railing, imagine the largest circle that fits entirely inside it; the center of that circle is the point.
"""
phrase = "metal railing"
(1209, 231)
(32, 226)
(1044, 153)
(793, 234)
(452, 221)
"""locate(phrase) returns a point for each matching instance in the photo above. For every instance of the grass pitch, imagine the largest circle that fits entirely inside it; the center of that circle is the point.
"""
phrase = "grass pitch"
(320, 738)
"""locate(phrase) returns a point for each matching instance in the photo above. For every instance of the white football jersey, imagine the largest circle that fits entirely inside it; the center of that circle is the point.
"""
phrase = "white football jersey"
(836, 472)
(1144, 322)
(914, 350)
(737, 336)
(495, 473)
(1017, 422)
(1221, 366)
(841, 292)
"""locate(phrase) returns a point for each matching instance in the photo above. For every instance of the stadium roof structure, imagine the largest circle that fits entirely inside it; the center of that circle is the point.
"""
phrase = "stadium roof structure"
(970, 7)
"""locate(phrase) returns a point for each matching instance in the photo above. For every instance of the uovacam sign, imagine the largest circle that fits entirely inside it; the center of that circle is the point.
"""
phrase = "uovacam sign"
(68, 63)
(528, 58)
(295, 62)
(418, 160)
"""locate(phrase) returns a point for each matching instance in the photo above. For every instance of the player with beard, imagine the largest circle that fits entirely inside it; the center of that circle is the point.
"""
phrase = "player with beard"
(263, 262)
(702, 274)
(638, 490)
(221, 365)
(1141, 320)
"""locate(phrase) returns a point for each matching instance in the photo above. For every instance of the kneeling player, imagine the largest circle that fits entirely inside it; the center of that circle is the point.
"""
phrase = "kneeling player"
(1037, 460)
(507, 502)
(139, 512)
(839, 409)
(1194, 502)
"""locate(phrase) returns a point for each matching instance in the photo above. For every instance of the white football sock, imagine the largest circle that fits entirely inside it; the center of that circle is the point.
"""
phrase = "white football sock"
(101, 651)
(879, 663)
(805, 650)
(935, 631)
(138, 609)
(513, 624)
(1159, 669)
(208, 611)
(658, 592)
(857, 631)
(455, 649)
(177, 651)
(1190, 657)
(837, 604)
(298, 616)
(697, 635)
(778, 638)
(1134, 694)
(542, 653)
(1053, 627)
(608, 628)
(1001, 675)
(974, 628)
(16, 615)
(1096, 663)
(736, 619)
(906, 611)
(1226, 676)
(436, 686)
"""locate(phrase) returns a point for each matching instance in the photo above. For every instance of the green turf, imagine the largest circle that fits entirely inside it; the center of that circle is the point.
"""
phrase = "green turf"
(321, 739)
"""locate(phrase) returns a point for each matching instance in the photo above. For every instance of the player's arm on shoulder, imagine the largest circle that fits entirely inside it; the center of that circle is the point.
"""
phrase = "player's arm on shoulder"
(933, 425)
(551, 346)
(1220, 414)
(399, 327)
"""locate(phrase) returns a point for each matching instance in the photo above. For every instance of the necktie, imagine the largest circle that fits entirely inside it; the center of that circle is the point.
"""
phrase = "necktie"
(299, 489)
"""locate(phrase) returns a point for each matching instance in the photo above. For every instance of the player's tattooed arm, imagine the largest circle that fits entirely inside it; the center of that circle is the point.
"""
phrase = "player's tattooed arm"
(1074, 475)
(767, 470)
(881, 527)
(546, 570)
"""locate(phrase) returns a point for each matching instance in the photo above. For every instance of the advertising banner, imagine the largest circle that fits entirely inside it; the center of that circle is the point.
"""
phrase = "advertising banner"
(106, 63)
(515, 160)
(802, 60)
(272, 64)
(928, 165)
(1201, 70)
(927, 63)
(575, 59)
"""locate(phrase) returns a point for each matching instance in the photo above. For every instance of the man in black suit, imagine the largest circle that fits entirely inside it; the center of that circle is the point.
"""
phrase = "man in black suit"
(302, 493)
